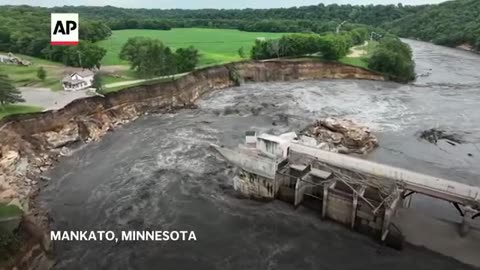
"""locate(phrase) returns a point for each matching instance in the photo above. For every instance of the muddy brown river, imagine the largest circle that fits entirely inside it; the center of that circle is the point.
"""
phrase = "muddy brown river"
(157, 174)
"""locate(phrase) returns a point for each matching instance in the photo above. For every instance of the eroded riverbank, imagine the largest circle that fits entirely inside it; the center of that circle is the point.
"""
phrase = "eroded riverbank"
(158, 173)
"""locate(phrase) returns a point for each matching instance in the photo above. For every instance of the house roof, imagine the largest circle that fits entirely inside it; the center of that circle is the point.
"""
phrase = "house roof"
(83, 74)
(67, 78)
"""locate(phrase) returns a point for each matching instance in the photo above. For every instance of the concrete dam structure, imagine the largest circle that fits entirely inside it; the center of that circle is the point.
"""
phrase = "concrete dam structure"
(360, 194)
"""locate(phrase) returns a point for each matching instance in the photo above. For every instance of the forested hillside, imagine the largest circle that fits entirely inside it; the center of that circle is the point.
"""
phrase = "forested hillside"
(25, 29)
(451, 23)
(319, 18)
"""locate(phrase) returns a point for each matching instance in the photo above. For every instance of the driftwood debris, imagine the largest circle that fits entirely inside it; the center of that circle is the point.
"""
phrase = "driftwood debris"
(340, 135)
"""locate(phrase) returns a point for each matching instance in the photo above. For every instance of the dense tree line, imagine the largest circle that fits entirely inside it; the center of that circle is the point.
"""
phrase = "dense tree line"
(150, 57)
(318, 18)
(85, 54)
(374, 15)
(393, 58)
(450, 23)
(329, 46)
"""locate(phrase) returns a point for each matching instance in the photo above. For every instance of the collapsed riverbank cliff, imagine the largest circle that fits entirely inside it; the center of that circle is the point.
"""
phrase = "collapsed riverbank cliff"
(31, 144)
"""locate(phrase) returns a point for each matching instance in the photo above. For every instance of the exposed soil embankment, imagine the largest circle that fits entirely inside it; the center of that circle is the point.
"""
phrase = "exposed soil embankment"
(30, 144)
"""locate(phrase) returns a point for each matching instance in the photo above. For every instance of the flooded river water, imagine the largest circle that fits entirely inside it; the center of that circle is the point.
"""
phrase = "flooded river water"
(157, 174)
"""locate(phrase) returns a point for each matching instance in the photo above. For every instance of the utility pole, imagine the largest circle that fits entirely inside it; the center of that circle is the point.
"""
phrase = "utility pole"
(339, 26)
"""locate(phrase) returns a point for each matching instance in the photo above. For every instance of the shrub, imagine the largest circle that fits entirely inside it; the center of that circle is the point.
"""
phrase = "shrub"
(394, 58)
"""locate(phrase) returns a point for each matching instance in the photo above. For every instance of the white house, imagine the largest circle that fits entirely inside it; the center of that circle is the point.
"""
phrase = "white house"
(78, 80)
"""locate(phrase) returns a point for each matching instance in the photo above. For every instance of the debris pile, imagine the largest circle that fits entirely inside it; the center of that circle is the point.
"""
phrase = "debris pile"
(340, 135)
(434, 135)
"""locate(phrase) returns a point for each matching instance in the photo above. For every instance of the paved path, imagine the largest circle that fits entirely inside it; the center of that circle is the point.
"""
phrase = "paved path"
(48, 99)
(359, 50)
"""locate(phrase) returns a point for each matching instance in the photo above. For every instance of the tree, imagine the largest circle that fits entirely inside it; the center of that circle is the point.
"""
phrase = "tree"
(393, 58)
(150, 57)
(41, 73)
(186, 59)
(8, 93)
(85, 55)
(241, 52)
(98, 82)
(334, 47)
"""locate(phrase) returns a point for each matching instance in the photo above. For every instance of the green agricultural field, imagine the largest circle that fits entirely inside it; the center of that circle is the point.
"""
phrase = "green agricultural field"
(215, 45)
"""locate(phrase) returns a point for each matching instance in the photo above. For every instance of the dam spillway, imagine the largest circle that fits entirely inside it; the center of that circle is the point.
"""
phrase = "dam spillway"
(360, 194)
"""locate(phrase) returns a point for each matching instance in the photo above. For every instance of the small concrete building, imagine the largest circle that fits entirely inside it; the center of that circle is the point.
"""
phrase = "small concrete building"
(78, 80)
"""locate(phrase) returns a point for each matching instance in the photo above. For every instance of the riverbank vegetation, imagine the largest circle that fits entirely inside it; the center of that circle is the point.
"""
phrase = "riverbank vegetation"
(389, 55)
(393, 58)
(329, 46)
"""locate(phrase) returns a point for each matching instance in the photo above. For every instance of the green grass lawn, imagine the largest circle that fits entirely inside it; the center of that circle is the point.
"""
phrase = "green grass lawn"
(27, 75)
(355, 61)
(146, 82)
(107, 79)
(360, 61)
(17, 109)
(215, 45)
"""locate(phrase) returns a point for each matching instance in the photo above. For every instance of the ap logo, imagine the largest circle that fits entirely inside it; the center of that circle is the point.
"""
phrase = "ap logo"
(64, 29)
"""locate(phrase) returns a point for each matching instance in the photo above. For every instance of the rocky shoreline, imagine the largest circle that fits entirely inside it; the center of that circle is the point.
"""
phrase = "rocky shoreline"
(32, 144)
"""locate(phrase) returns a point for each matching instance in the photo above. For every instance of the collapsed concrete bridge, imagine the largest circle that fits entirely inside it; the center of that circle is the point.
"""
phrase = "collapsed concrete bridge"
(361, 194)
